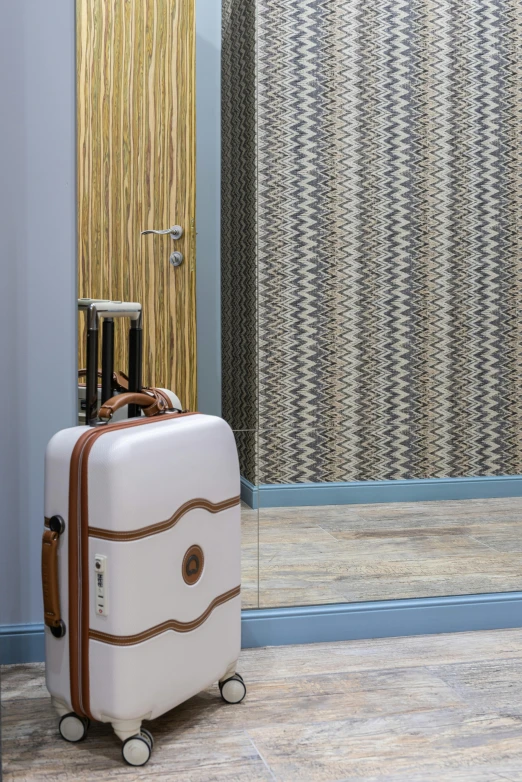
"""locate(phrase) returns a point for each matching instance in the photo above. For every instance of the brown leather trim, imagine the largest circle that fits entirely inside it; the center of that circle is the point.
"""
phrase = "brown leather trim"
(172, 624)
(47, 523)
(78, 627)
(51, 594)
(75, 590)
(163, 526)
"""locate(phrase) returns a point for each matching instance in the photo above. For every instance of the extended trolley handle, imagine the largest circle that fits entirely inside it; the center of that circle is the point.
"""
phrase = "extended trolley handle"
(96, 309)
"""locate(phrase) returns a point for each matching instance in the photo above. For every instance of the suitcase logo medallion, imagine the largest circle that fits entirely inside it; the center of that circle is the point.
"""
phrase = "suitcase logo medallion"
(193, 565)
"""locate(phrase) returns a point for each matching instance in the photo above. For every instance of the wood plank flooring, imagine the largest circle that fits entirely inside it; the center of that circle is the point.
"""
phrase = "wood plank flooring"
(444, 708)
(345, 553)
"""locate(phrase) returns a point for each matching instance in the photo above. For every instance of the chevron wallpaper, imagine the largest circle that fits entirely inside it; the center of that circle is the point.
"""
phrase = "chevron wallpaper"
(372, 237)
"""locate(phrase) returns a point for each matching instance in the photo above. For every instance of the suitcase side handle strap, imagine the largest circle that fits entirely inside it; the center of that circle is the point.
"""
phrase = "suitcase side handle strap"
(51, 595)
(152, 402)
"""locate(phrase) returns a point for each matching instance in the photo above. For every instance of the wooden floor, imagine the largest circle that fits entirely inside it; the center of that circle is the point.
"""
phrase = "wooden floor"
(444, 708)
(337, 554)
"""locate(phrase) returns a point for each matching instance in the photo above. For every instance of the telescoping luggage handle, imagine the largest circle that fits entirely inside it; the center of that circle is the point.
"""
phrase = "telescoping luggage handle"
(96, 309)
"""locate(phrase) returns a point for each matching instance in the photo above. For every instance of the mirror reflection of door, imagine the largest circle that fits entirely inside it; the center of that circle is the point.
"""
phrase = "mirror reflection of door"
(136, 171)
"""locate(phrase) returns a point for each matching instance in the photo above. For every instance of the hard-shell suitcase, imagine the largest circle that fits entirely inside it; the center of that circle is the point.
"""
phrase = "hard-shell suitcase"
(140, 568)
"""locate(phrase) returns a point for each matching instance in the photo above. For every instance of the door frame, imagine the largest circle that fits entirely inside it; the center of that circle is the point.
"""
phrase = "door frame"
(208, 204)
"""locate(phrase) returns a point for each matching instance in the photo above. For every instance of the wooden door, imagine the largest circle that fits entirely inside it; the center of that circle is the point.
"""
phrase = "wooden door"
(136, 171)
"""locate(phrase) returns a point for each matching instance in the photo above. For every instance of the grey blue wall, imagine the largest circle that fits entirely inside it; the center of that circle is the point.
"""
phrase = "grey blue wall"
(37, 261)
(38, 266)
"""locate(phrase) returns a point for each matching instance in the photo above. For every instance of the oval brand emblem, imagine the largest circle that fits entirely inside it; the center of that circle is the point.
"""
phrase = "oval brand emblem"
(193, 565)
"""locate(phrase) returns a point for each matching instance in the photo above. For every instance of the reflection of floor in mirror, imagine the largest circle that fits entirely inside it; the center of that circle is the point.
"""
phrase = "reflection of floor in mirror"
(345, 553)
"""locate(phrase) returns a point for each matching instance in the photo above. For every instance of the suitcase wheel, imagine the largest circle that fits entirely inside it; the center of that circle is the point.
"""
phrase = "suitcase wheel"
(149, 735)
(137, 750)
(233, 690)
(73, 728)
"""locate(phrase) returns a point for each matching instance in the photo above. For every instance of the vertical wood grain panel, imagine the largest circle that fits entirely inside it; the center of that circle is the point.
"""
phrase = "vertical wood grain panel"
(136, 170)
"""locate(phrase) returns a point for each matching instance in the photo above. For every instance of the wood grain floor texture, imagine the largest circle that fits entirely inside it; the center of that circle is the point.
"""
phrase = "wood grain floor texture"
(352, 553)
(444, 708)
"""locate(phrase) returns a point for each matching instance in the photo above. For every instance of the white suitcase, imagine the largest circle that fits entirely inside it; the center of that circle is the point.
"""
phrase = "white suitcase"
(141, 570)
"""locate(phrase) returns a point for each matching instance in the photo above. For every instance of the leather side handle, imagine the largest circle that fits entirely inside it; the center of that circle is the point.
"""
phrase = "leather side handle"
(152, 402)
(51, 594)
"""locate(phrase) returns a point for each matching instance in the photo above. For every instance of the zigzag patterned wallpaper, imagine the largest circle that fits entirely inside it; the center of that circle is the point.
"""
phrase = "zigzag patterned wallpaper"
(372, 237)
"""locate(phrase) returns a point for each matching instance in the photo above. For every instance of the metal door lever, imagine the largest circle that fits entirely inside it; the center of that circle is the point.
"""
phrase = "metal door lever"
(176, 232)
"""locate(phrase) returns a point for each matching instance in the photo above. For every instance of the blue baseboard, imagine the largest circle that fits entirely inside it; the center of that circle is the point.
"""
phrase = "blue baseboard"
(249, 493)
(292, 495)
(21, 644)
(381, 619)
(341, 622)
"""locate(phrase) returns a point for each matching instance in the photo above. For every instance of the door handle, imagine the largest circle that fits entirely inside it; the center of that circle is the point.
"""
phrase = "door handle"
(176, 232)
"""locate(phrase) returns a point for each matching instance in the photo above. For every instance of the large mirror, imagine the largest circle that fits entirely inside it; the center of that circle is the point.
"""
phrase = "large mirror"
(371, 272)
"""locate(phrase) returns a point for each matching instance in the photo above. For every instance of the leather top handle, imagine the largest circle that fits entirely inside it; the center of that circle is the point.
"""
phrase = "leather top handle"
(152, 403)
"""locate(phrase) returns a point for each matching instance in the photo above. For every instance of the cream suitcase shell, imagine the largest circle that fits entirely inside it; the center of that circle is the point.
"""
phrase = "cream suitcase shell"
(162, 624)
